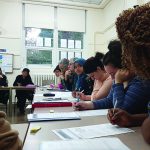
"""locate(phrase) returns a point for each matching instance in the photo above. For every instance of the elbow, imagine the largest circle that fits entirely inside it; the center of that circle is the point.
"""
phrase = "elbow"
(146, 130)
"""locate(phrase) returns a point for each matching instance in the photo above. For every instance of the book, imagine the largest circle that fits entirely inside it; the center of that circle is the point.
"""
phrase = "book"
(52, 116)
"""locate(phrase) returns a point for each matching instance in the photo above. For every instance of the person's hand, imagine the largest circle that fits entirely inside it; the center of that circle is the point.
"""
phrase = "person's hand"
(61, 76)
(122, 76)
(119, 117)
(19, 84)
(8, 139)
(1, 76)
(74, 94)
(67, 73)
(82, 96)
(83, 105)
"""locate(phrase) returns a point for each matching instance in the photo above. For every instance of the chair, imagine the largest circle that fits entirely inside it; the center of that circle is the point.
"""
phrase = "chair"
(4, 96)
(15, 102)
(3, 106)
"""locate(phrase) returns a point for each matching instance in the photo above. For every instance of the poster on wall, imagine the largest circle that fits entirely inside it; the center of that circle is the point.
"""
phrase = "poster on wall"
(63, 43)
(77, 44)
(48, 42)
(70, 43)
(39, 42)
(6, 62)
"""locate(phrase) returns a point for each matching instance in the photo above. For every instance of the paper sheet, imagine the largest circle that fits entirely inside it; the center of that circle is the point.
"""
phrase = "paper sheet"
(87, 113)
(90, 144)
(92, 131)
(52, 116)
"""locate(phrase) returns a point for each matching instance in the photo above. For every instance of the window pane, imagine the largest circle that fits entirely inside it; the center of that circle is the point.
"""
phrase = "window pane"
(73, 40)
(39, 56)
(39, 37)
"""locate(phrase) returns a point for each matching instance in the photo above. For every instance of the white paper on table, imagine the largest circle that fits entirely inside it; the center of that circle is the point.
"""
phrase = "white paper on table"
(94, 131)
(52, 116)
(84, 144)
(70, 43)
(48, 42)
(63, 43)
(87, 113)
(77, 44)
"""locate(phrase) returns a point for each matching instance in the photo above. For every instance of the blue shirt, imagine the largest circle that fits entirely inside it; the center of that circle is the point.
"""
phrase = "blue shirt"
(134, 98)
(149, 108)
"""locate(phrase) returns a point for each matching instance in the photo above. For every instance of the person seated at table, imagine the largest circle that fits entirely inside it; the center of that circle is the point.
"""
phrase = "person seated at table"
(9, 139)
(57, 73)
(23, 80)
(82, 82)
(135, 38)
(128, 91)
(63, 65)
(102, 80)
(4, 94)
(70, 75)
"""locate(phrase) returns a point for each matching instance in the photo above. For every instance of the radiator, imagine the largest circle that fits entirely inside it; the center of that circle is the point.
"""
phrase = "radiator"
(43, 79)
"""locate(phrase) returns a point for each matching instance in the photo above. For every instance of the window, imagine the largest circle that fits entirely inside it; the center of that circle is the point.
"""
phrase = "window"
(70, 40)
(70, 44)
(39, 44)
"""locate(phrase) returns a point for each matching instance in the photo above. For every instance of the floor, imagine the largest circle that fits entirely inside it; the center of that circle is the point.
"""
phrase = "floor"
(16, 116)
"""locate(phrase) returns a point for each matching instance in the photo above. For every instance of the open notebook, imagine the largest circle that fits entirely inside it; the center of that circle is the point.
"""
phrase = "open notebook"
(53, 116)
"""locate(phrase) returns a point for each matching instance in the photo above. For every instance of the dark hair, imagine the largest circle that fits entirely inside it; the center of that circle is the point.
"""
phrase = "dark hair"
(57, 68)
(26, 70)
(92, 63)
(113, 56)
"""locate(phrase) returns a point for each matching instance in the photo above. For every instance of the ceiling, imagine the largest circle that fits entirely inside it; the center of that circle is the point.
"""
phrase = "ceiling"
(96, 2)
(79, 3)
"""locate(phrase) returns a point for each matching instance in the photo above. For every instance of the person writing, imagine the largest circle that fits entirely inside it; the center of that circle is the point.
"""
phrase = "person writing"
(133, 28)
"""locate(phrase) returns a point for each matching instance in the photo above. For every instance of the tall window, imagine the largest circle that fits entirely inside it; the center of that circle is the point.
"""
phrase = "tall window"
(39, 44)
(53, 32)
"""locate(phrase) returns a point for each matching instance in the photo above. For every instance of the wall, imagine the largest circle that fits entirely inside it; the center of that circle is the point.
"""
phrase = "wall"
(11, 37)
(110, 13)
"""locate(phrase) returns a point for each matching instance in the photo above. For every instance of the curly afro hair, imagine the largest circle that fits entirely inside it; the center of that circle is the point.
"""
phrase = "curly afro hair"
(133, 28)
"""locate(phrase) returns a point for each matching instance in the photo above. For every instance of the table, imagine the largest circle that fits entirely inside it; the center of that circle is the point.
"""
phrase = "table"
(10, 94)
(134, 140)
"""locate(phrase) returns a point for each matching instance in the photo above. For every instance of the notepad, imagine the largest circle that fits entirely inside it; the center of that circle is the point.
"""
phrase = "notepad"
(93, 131)
(85, 144)
(53, 116)
(87, 113)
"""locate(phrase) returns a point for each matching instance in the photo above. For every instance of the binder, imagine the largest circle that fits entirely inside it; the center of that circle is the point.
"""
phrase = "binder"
(52, 104)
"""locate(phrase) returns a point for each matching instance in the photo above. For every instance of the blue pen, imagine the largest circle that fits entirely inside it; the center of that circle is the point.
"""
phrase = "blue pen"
(115, 106)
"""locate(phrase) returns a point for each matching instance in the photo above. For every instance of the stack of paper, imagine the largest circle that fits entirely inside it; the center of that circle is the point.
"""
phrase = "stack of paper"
(88, 144)
(92, 131)
(53, 116)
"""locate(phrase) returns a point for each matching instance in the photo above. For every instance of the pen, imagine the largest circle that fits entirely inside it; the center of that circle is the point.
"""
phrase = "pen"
(115, 105)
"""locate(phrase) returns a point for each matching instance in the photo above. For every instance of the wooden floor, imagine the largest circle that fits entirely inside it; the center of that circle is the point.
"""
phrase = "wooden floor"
(16, 116)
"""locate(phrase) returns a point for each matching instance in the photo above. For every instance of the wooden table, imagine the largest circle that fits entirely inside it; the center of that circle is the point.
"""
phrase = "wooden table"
(134, 140)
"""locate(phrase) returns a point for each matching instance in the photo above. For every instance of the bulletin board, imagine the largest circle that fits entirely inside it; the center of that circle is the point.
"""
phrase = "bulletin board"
(6, 62)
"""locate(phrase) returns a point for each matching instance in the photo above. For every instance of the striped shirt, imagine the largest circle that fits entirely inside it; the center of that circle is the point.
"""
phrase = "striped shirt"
(134, 98)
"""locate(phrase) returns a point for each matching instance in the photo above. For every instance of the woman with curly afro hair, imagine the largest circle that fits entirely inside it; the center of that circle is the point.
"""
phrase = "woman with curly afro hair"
(133, 28)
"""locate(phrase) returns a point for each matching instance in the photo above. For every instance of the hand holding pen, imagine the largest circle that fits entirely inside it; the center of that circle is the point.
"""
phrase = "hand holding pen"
(78, 94)
(119, 117)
